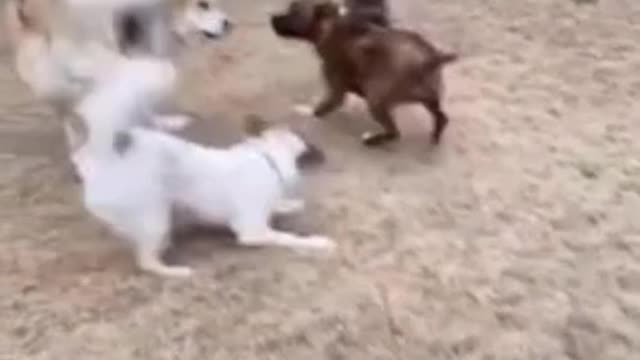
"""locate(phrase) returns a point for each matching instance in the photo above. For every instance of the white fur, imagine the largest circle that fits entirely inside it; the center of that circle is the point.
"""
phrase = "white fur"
(70, 46)
(135, 191)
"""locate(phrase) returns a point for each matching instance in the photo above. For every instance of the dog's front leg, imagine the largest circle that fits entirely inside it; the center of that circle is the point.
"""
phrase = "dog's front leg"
(330, 102)
(333, 100)
(288, 206)
(271, 237)
(381, 113)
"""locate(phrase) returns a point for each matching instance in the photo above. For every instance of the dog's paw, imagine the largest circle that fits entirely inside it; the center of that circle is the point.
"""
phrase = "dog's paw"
(172, 122)
(179, 271)
(168, 271)
(377, 139)
(320, 242)
(289, 206)
(304, 110)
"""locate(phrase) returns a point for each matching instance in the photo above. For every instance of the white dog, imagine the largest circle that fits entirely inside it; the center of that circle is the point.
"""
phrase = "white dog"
(134, 177)
(63, 47)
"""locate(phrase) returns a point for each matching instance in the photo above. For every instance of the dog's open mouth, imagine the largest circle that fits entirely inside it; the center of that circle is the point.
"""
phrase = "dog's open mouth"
(227, 27)
(211, 35)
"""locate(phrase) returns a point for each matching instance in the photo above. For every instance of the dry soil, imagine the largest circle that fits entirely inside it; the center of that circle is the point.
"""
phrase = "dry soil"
(515, 240)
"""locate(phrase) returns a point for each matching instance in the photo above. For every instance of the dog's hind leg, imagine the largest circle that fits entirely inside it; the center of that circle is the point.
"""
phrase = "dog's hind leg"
(382, 114)
(73, 140)
(151, 240)
(149, 259)
(147, 231)
(440, 118)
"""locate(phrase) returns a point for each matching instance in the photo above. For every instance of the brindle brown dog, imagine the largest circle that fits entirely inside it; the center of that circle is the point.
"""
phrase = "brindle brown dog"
(387, 67)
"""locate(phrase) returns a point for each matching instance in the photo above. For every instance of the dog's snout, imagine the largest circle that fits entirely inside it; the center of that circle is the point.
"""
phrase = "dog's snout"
(275, 19)
(313, 155)
(224, 28)
(278, 24)
(227, 25)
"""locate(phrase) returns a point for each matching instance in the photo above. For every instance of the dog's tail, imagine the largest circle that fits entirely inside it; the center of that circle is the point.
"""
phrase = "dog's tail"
(17, 20)
(18, 17)
(439, 60)
(24, 19)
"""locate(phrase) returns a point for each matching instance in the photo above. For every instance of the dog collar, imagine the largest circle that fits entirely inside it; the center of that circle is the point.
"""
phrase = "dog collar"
(273, 165)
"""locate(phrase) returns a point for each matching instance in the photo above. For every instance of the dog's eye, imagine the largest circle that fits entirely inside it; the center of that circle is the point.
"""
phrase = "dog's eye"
(203, 5)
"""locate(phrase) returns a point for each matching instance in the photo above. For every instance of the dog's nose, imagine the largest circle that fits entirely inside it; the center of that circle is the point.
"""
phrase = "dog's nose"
(227, 25)
(276, 22)
(210, 35)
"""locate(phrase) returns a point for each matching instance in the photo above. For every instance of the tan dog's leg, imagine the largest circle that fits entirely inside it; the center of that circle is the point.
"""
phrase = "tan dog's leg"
(73, 139)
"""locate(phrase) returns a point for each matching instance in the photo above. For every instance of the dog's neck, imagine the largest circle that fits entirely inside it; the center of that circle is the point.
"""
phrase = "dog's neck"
(329, 36)
(281, 162)
(273, 164)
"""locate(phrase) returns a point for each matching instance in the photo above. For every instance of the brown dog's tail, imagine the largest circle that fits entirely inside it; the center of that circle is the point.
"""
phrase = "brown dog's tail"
(439, 60)
(447, 58)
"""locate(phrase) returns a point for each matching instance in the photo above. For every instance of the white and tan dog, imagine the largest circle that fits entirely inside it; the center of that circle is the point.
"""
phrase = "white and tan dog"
(63, 47)
(134, 177)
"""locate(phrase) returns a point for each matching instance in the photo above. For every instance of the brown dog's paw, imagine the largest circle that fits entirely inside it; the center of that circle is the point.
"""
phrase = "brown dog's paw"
(377, 139)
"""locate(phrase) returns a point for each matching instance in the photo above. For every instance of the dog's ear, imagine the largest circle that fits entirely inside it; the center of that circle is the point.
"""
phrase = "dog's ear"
(254, 125)
(326, 10)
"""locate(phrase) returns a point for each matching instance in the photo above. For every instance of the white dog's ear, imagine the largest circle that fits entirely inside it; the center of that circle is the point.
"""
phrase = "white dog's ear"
(254, 125)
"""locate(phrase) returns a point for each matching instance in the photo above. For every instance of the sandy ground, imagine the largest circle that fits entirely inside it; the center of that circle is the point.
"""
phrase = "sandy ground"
(515, 240)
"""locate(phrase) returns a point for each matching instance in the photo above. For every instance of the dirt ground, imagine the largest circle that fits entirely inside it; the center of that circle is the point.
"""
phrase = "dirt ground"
(515, 240)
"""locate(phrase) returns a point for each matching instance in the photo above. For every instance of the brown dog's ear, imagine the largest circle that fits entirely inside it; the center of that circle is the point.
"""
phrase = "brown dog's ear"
(254, 125)
(326, 10)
